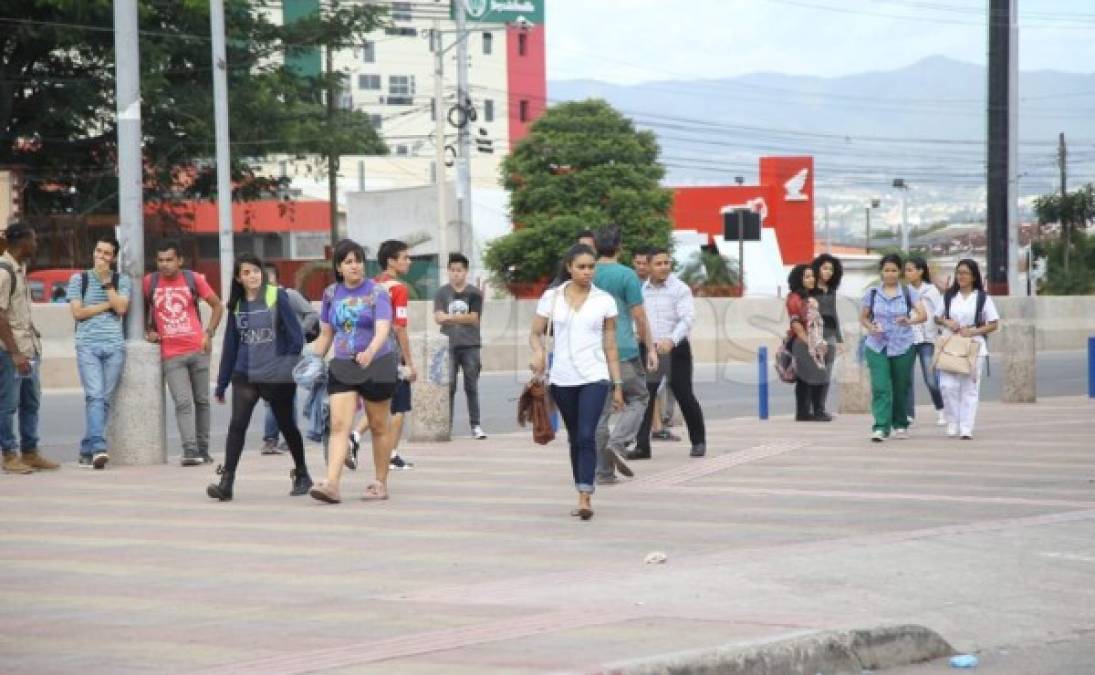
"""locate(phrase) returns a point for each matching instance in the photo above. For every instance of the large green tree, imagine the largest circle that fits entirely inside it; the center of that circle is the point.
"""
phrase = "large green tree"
(583, 165)
(57, 99)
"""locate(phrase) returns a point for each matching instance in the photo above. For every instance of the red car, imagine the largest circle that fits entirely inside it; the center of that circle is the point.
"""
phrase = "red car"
(50, 285)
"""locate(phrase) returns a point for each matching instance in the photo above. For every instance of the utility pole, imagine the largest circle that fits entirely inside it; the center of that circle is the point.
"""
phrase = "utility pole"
(867, 247)
(1000, 139)
(137, 422)
(220, 120)
(463, 157)
(1062, 162)
(439, 149)
(332, 152)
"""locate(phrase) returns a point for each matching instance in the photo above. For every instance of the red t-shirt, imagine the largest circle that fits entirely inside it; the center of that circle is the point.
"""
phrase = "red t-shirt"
(397, 290)
(176, 314)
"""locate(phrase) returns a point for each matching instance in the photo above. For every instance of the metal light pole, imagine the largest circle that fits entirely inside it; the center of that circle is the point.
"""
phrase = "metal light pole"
(463, 155)
(220, 121)
(439, 150)
(137, 420)
(873, 205)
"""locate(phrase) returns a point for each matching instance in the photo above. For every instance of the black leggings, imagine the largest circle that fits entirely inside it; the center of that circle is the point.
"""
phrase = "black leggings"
(245, 395)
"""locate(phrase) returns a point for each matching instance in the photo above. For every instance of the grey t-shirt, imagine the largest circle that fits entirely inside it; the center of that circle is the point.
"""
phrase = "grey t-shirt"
(451, 301)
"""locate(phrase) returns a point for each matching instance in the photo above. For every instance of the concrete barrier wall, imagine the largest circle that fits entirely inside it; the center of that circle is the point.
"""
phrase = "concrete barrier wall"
(726, 329)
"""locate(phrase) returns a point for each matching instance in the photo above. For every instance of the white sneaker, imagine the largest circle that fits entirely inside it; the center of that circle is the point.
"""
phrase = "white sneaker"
(941, 421)
(952, 430)
(478, 433)
(901, 434)
(878, 436)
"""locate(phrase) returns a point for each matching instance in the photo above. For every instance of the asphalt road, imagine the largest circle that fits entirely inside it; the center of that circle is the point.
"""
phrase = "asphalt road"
(724, 393)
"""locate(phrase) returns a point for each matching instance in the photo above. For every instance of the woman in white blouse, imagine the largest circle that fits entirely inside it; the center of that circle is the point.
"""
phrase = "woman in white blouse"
(918, 276)
(968, 311)
(585, 364)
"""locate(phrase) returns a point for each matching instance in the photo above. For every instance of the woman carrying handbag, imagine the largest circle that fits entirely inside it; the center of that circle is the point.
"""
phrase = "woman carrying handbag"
(808, 346)
(967, 313)
(584, 358)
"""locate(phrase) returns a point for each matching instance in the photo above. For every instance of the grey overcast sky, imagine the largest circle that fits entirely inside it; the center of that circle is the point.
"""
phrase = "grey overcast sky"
(628, 41)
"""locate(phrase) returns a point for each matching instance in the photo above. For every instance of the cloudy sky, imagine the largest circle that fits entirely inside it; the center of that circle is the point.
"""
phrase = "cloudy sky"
(627, 41)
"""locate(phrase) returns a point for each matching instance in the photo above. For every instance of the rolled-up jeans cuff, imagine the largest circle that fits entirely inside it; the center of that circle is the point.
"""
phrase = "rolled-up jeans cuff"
(585, 489)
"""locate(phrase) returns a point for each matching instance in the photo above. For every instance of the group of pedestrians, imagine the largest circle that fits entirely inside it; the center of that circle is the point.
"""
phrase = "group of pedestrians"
(904, 317)
(605, 341)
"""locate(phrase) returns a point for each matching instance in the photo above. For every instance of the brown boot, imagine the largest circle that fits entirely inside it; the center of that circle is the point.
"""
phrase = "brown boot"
(12, 464)
(35, 461)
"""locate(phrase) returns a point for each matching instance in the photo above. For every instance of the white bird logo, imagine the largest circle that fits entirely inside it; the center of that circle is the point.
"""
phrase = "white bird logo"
(795, 185)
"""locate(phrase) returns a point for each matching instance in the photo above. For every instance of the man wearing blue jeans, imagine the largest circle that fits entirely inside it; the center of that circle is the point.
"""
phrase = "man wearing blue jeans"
(20, 390)
(99, 299)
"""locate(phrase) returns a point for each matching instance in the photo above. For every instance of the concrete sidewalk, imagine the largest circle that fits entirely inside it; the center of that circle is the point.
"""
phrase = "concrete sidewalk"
(475, 566)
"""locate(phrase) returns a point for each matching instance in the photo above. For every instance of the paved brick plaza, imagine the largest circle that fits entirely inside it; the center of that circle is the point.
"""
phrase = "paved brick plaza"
(475, 566)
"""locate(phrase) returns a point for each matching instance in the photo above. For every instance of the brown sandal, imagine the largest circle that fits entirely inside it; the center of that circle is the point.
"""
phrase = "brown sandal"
(375, 491)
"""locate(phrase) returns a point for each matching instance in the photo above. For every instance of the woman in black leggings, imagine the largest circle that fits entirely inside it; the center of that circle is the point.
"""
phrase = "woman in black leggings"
(262, 343)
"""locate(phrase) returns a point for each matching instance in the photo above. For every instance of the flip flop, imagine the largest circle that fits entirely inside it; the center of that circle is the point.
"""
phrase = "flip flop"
(375, 491)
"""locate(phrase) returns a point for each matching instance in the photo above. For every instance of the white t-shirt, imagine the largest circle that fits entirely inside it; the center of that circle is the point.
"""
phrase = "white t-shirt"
(963, 310)
(579, 354)
(933, 302)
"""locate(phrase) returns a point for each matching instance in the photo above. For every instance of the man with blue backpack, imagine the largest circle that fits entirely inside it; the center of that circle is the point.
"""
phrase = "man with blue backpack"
(99, 300)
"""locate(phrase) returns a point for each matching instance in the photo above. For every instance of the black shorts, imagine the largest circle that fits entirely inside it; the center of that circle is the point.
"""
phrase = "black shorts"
(370, 391)
(401, 398)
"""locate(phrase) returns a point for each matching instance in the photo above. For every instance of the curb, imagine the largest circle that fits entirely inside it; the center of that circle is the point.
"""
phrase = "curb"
(826, 653)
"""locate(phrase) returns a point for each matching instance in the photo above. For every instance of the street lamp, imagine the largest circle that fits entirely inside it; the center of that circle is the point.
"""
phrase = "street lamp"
(900, 184)
(874, 204)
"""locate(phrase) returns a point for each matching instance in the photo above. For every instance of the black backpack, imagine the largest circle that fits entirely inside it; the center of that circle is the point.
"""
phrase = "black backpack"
(908, 302)
(154, 281)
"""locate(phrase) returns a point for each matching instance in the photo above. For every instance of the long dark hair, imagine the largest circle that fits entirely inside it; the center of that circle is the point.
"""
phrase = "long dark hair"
(344, 249)
(975, 272)
(796, 280)
(838, 271)
(238, 293)
(568, 258)
(919, 263)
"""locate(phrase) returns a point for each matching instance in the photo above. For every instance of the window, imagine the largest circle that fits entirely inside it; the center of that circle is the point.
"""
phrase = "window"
(522, 44)
(401, 31)
(401, 11)
(368, 52)
(488, 43)
(433, 109)
(524, 111)
(401, 150)
(488, 110)
(368, 82)
(283, 169)
(376, 121)
(401, 85)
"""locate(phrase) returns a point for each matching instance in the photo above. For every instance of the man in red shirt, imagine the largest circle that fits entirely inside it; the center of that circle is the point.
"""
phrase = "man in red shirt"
(174, 321)
(394, 258)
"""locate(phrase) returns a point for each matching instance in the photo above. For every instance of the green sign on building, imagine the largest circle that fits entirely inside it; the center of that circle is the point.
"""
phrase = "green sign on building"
(502, 11)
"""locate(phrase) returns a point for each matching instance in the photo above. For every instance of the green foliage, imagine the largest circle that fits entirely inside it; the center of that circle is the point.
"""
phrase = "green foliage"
(582, 166)
(57, 93)
(1079, 277)
(708, 268)
(1074, 211)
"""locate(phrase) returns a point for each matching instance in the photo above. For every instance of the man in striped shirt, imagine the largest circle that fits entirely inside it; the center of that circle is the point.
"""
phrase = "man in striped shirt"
(671, 311)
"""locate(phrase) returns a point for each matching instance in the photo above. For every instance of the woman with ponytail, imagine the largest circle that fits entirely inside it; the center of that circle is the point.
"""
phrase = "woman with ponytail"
(262, 344)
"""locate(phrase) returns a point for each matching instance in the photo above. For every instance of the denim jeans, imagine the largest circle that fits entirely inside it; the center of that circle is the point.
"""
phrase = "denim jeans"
(270, 424)
(580, 407)
(22, 395)
(314, 410)
(100, 369)
(924, 352)
(469, 360)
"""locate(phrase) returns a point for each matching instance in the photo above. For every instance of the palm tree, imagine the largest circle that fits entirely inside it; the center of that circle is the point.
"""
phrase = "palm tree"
(710, 273)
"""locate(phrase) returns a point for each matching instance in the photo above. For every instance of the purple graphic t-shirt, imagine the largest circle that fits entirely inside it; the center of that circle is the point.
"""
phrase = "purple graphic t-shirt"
(353, 313)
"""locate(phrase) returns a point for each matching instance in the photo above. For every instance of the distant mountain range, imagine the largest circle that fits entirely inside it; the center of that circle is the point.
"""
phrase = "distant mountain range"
(925, 122)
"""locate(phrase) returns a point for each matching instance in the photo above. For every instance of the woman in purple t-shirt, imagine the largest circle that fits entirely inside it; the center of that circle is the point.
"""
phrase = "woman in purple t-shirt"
(356, 319)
